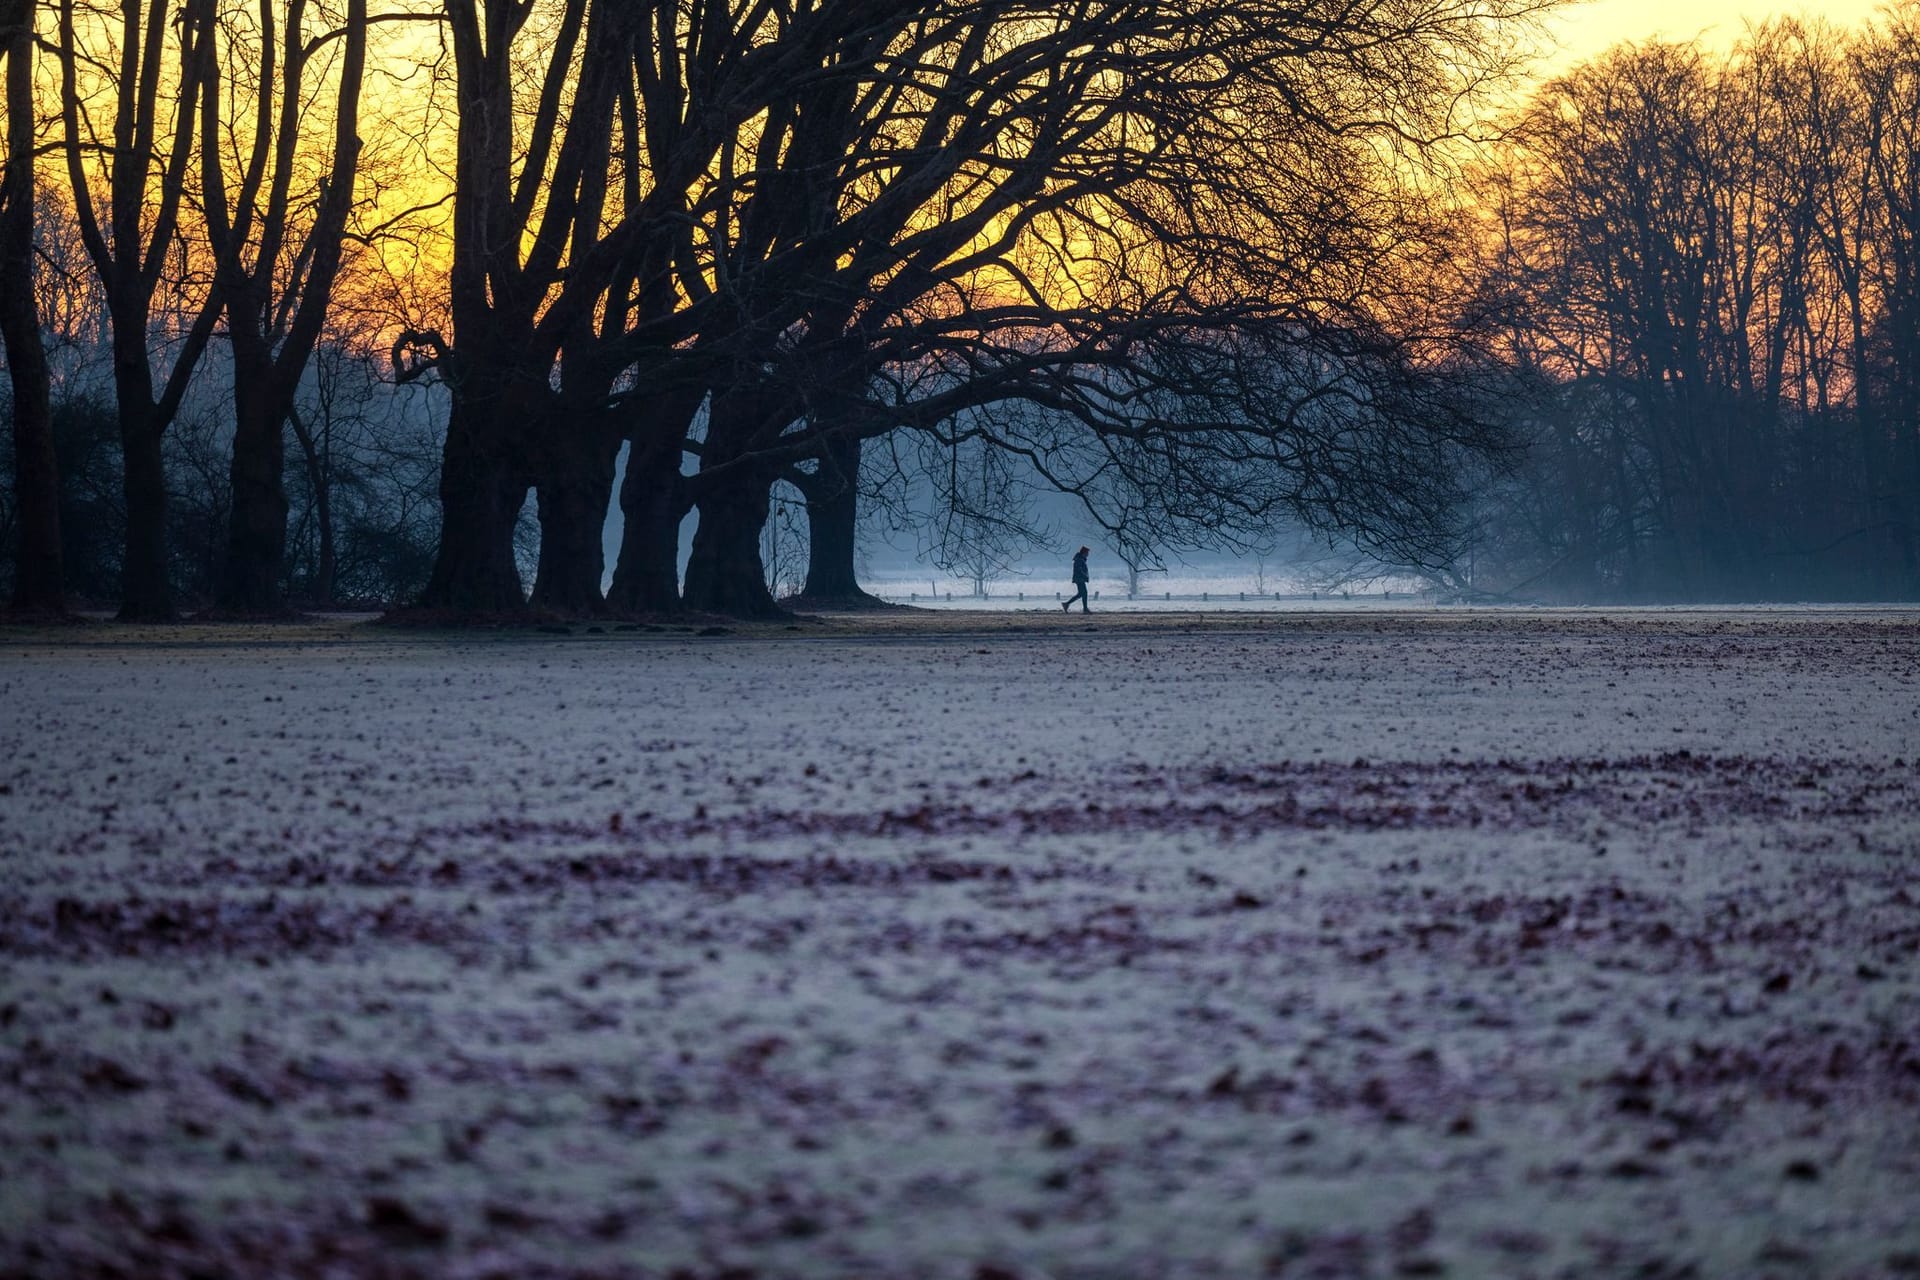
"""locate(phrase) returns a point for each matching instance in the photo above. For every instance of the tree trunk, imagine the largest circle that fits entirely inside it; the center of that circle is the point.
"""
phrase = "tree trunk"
(483, 485)
(1904, 359)
(833, 513)
(321, 482)
(652, 500)
(329, 561)
(724, 572)
(146, 595)
(574, 496)
(38, 576)
(257, 524)
(831, 524)
(145, 185)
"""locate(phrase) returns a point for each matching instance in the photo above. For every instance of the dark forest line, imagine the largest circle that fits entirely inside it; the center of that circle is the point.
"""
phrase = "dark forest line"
(1213, 271)
(1710, 271)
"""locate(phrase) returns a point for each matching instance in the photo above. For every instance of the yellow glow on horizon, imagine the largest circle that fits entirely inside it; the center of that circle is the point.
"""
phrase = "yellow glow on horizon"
(1588, 28)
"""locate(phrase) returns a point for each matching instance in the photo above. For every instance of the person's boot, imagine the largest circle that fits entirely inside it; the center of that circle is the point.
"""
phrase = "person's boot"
(1066, 606)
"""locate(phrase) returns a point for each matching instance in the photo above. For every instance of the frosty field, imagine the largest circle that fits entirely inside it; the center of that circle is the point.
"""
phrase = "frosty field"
(1368, 944)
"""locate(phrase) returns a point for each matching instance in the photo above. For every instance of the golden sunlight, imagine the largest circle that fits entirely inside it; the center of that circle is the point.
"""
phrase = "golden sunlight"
(1584, 30)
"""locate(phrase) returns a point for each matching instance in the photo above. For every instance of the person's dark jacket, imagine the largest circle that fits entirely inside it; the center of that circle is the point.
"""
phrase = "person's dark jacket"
(1080, 567)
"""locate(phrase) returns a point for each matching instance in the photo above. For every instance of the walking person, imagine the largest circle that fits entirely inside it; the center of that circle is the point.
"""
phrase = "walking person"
(1079, 582)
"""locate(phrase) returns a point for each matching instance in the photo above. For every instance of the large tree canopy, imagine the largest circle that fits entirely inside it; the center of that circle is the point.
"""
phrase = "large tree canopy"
(811, 207)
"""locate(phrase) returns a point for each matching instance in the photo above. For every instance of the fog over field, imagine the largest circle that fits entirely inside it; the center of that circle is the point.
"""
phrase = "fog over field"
(1346, 944)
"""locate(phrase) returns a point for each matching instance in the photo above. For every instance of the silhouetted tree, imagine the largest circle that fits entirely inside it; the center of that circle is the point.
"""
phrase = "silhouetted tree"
(140, 161)
(510, 221)
(1889, 72)
(38, 581)
(982, 521)
(277, 249)
(364, 497)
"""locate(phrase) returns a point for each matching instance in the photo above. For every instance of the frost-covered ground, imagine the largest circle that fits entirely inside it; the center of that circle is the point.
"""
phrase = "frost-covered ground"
(1475, 944)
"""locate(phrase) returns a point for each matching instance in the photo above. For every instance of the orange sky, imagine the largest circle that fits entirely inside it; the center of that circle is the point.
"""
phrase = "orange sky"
(1584, 29)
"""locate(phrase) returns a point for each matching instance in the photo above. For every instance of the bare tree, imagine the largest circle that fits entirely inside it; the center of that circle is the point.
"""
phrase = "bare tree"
(982, 521)
(513, 200)
(38, 581)
(1889, 69)
(277, 248)
(139, 161)
(364, 504)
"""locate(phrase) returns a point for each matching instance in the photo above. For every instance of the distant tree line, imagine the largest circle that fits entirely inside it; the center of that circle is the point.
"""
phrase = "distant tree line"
(304, 301)
(1710, 273)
